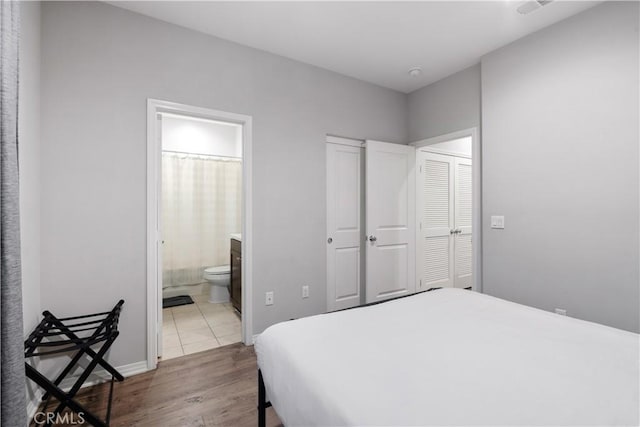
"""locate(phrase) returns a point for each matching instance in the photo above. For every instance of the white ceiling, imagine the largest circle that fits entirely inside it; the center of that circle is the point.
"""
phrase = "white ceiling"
(377, 42)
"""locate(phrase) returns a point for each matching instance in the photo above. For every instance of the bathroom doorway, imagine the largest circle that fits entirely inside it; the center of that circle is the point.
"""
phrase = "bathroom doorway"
(199, 276)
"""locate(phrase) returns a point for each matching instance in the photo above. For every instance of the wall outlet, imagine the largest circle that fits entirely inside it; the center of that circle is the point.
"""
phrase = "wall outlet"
(561, 311)
(305, 291)
(268, 298)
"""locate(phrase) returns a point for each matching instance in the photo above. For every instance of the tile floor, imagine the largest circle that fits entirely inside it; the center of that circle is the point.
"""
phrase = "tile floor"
(192, 328)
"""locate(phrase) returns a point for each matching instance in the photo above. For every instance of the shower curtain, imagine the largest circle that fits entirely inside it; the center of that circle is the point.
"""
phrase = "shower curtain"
(201, 207)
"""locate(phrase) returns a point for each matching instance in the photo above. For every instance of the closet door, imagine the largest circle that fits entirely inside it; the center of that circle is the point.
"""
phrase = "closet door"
(344, 226)
(436, 220)
(390, 218)
(463, 223)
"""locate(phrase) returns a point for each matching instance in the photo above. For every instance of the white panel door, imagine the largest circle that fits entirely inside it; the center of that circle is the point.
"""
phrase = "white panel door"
(435, 247)
(463, 200)
(344, 228)
(390, 207)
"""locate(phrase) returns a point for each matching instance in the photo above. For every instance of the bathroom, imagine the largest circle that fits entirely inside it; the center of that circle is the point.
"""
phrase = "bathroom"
(201, 213)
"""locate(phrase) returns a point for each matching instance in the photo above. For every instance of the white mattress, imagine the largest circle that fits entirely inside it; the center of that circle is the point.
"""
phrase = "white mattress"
(449, 357)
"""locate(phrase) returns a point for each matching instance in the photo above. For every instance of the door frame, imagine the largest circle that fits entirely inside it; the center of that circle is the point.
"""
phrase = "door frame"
(476, 172)
(154, 187)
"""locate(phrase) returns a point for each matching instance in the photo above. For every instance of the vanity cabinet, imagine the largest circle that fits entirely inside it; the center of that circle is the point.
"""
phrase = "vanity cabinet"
(235, 290)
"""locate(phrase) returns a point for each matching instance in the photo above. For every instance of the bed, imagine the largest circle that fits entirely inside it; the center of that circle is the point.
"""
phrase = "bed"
(448, 357)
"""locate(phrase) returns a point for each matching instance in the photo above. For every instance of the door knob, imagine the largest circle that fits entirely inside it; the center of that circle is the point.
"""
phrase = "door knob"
(329, 240)
(372, 238)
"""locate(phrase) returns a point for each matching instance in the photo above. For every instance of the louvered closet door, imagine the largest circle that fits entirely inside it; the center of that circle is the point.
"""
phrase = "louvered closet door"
(463, 222)
(436, 220)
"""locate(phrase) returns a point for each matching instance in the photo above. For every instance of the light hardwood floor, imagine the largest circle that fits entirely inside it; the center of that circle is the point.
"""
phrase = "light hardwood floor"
(213, 388)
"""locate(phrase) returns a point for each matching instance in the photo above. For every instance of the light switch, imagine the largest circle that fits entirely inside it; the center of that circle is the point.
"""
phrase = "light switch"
(497, 221)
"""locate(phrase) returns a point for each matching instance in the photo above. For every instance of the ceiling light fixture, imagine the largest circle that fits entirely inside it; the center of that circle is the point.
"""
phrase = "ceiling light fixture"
(415, 71)
(530, 6)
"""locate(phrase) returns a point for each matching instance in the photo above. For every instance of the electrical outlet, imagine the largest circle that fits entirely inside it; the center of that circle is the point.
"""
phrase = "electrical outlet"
(305, 291)
(268, 298)
(561, 311)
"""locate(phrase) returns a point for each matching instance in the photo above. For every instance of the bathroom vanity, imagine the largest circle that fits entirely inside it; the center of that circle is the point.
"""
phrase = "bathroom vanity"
(235, 288)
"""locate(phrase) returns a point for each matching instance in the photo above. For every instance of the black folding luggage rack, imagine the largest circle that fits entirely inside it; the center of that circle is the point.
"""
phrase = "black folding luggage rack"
(79, 333)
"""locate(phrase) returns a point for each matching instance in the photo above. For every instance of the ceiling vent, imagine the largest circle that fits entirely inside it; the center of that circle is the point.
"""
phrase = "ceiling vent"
(530, 6)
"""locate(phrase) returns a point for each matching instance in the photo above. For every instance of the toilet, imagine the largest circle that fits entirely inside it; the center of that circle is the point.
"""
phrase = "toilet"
(219, 278)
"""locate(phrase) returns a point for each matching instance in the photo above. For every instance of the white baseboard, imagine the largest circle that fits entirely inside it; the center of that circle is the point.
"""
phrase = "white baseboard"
(33, 404)
(98, 376)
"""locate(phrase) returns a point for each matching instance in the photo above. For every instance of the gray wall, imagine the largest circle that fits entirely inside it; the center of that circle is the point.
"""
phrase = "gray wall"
(99, 65)
(29, 158)
(446, 106)
(29, 163)
(560, 161)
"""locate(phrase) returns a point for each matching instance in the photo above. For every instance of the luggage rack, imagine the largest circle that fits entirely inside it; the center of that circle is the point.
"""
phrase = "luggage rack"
(79, 333)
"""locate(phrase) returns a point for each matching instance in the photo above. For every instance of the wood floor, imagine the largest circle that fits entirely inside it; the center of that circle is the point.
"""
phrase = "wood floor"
(214, 388)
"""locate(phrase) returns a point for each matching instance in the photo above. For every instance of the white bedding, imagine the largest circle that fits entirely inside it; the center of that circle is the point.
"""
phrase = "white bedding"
(449, 357)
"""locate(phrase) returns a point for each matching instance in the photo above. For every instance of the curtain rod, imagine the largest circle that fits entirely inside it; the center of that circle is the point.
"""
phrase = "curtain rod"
(201, 154)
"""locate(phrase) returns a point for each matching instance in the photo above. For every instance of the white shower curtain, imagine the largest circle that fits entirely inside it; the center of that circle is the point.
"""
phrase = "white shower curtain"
(201, 207)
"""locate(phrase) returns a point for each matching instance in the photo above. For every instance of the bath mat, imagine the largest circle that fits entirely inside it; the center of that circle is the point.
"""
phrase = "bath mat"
(176, 301)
